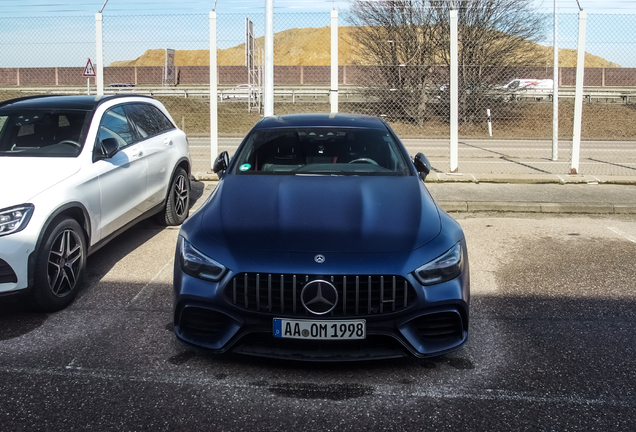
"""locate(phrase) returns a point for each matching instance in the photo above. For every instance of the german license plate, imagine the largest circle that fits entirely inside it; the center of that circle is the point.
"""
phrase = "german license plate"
(320, 330)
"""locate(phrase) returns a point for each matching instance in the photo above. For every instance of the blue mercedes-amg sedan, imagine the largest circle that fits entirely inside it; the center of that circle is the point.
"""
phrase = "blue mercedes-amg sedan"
(321, 242)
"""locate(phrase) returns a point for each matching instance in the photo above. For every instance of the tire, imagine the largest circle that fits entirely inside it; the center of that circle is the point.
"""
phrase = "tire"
(178, 200)
(59, 265)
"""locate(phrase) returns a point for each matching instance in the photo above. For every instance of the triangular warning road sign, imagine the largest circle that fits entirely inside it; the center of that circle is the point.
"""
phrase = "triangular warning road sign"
(89, 70)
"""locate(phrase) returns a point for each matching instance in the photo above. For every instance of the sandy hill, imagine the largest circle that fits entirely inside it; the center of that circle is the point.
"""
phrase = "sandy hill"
(311, 47)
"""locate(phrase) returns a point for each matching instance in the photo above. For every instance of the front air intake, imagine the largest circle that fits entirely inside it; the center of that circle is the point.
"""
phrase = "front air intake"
(439, 326)
(202, 321)
(7, 275)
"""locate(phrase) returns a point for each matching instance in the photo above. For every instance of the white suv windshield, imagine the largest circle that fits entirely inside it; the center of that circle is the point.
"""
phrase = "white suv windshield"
(321, 151)
(41, 133)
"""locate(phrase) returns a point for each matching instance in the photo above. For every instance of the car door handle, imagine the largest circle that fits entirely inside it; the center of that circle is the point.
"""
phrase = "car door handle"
(167, 141)
(137, 153)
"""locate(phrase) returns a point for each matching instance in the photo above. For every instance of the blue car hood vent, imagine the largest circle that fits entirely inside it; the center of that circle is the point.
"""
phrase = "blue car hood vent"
(321, 213)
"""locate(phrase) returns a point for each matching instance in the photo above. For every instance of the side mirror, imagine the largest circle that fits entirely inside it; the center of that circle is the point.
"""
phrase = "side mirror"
(106, 149)
(422, 165)
(221, 163)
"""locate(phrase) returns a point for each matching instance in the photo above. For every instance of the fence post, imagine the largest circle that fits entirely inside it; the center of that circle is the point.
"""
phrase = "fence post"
(333, 93)
(555, 89)
(99, 51)
(214, 122)
(268, 92)
(603, 78)
(454, 94)
(578, 96)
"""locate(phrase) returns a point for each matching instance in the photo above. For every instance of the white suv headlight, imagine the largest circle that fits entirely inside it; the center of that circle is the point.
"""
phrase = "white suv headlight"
(14, 219)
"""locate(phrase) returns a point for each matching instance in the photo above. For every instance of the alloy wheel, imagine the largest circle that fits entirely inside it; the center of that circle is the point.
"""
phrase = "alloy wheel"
(181, 193)
(64, 263)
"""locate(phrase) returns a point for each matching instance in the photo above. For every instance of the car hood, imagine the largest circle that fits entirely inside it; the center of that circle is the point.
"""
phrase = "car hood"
(22, 178)
(321, 213)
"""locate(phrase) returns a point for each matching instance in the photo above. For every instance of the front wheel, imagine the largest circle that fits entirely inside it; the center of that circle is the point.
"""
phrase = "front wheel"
(59, 265)
(178, 200)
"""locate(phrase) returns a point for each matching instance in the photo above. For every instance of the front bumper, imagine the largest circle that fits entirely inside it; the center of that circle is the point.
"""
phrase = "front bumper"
(436, 322)
(15, 251)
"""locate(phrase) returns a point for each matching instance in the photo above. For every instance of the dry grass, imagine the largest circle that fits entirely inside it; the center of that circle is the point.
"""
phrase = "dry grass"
(523, 120)
(11, 94)
(533, 120)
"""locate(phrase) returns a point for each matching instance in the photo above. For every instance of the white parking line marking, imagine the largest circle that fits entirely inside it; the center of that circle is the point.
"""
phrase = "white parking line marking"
(151, 280)
(623, 234)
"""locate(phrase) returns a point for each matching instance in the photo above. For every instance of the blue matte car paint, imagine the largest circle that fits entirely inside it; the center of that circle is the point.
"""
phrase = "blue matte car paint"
(343, 214)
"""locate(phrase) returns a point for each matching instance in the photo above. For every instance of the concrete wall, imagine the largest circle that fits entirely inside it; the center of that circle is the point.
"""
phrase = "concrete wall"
(295, 75)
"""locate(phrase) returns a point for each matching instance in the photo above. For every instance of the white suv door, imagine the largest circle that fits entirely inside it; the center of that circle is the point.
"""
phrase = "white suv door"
(159, 136)
(122, 178)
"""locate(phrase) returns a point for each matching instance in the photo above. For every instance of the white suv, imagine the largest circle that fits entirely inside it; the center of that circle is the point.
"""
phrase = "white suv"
(76, 171)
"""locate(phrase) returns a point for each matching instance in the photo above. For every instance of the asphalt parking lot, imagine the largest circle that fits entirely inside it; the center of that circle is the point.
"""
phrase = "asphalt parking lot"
(552, 347)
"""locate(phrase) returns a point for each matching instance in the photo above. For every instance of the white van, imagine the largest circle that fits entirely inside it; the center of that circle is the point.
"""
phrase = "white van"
(530, 84)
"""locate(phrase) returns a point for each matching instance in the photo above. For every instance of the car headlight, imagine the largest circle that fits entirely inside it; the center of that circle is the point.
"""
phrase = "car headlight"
(15, 219)
(195, 263)
(447, 266)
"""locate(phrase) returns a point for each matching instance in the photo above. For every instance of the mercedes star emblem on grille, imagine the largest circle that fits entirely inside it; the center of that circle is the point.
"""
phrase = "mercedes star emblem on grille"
(319, 259)
(319, 297)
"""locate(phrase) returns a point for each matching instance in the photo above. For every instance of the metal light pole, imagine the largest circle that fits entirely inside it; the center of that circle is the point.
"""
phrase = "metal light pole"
(555, 90)
(454, 93)
(214, 119)
(99, 51)
(578, 95)
(333, 91)
(268, 89)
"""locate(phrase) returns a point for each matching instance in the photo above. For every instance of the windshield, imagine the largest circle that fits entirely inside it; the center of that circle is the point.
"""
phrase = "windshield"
(41, 133)
(321, 151)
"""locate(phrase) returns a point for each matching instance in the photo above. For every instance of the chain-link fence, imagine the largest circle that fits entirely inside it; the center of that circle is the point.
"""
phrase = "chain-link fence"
(44, 51)
(136, 56)
(403, 83)
(301, 68)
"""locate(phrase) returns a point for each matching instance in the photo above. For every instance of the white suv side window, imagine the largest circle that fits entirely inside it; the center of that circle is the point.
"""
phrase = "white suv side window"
(150, 121)
(114, 124)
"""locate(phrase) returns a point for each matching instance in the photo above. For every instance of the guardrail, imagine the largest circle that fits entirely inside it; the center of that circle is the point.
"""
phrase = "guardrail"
(601, 96)
(320, 94)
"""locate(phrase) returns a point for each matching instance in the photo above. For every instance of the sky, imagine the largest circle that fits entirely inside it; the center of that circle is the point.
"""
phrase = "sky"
(119, 7)
(48, 33)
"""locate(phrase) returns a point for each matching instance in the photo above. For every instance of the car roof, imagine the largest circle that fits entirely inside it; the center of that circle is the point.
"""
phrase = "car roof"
(321, 119)
(88, 103)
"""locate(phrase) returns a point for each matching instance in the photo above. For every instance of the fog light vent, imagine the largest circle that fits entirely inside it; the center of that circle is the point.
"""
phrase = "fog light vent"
(202, 321)
(7, 275)
(438, 326)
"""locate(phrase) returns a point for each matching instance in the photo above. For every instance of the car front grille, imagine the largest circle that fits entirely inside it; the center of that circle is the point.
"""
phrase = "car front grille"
(7, 275)
(358, 295)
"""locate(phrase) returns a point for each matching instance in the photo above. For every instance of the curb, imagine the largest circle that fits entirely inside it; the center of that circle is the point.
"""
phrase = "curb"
(529, 179)
(530, 207)
(514, 206)
(498, 178)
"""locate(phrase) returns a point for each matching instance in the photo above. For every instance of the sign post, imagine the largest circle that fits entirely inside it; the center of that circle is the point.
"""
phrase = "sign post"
(89, 71)
(168, 68)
